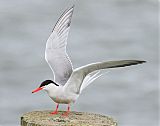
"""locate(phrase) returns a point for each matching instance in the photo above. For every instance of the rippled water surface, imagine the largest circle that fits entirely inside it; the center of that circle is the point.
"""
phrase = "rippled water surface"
(100, 30)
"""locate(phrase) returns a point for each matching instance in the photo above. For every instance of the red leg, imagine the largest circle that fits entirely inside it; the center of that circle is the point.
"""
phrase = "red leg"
(56, 111)
(67, 112)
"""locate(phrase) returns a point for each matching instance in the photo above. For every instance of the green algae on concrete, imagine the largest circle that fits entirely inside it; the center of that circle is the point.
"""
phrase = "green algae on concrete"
(44, 118)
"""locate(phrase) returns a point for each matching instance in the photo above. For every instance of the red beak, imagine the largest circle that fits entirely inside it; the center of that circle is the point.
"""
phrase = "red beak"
(36, 90)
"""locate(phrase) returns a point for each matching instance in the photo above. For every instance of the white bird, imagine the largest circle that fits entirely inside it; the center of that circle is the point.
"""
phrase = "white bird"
(68, 83)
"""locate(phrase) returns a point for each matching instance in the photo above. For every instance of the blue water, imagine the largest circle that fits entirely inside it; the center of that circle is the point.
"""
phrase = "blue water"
(100, 30)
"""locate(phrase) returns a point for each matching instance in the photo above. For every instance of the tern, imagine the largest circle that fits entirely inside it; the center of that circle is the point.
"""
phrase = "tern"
(68, 82)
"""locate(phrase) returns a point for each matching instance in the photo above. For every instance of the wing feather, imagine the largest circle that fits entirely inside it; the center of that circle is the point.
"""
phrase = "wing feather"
(55, 53)
(87, 74)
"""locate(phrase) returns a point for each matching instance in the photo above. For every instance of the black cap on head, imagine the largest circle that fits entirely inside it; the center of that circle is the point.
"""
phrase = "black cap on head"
(46, 82)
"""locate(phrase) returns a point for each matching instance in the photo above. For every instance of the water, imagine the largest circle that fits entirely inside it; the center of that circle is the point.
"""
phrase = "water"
(101, 30)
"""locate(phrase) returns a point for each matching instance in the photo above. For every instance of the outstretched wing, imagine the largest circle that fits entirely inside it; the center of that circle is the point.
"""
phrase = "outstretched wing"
(55, 53)
(83, 76)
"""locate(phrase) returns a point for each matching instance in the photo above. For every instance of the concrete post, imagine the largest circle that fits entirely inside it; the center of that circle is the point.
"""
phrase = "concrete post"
(44, 118)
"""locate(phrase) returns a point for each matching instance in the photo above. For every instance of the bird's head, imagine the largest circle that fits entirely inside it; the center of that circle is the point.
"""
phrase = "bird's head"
(46, 85)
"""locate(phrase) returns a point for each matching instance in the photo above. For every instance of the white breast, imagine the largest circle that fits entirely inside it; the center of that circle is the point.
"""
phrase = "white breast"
(59, 95)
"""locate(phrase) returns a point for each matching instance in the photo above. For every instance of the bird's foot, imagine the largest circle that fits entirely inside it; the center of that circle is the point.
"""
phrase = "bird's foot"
(54, 113)
(65, 114)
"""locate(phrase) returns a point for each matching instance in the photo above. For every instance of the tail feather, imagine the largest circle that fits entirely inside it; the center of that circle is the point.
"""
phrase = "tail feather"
(90, 78)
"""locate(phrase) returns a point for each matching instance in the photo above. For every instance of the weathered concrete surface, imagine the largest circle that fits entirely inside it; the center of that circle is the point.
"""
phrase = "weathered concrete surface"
(44, 118)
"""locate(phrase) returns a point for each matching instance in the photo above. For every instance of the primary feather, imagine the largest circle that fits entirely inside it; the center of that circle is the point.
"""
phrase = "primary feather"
(83, 76)
(55, 53)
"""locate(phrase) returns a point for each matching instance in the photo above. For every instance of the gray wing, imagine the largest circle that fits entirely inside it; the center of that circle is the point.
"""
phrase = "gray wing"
(109, 64)
(81, 77)
(55, 53)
